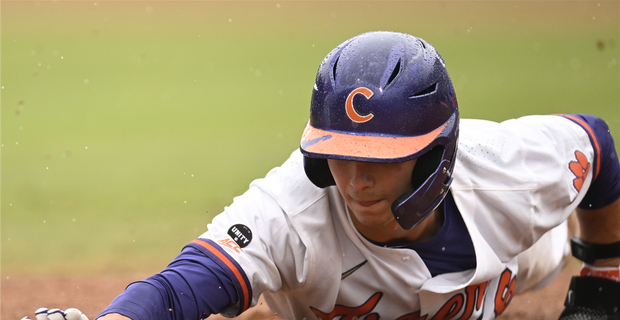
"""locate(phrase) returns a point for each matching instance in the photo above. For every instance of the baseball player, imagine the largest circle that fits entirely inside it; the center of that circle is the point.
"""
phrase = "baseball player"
(394, 208)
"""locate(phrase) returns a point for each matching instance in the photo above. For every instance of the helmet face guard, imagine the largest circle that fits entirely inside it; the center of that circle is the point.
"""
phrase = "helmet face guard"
(385, 97)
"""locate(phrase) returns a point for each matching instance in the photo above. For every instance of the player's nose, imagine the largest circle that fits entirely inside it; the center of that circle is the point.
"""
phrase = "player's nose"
(362, 175)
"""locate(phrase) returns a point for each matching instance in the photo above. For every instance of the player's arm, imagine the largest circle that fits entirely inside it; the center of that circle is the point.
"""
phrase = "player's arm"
(599, 210)
(193, 286)
(114, 316)
(601, 226)
(596, 292)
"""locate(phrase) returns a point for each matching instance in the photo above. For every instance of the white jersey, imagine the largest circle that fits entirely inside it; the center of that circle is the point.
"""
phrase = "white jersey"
(512, 184)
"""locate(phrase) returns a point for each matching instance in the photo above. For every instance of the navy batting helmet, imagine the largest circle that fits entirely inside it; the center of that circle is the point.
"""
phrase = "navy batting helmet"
(385, 97)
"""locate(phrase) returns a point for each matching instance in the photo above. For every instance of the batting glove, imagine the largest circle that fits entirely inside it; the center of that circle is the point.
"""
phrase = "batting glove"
(57, 314)
(592, 298)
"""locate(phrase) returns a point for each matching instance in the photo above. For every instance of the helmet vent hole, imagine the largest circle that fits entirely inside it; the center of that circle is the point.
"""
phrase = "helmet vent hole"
(334, 68)
(431, 89)
(422, 43)
(394, 73)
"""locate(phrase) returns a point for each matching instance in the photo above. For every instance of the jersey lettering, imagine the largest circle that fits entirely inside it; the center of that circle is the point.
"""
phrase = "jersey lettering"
(468, 303)
(505, 291)
(450, 309)
(412, 316)
(580, 169)
(230, 244)
(350, 313)
(474, 297)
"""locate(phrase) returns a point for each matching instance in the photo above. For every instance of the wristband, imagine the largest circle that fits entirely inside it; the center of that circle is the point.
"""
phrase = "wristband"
(589, 252)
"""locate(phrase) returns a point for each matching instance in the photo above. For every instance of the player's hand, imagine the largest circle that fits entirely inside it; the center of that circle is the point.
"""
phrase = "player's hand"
(57, 314)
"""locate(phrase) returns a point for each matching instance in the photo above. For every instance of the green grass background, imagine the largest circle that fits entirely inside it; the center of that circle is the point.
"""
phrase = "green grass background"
(127, 125)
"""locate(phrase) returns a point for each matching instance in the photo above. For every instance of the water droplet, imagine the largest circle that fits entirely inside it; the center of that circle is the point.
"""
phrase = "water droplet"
(184, 201)
(192, 175)
(86, 81)
(16, 142)
(86, 147)
(43, 221)
(229, 20)
(443, 248)
(74, 220)
(47, 168)
(62, 57)
(278, 5)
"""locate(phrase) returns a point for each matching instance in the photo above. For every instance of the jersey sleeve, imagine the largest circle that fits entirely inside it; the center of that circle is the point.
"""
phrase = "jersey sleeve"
(193, 286)
(516, 180)
(248, 249)
(605, 187)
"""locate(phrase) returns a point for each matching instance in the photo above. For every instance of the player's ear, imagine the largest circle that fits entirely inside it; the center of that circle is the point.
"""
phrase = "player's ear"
(317, 170)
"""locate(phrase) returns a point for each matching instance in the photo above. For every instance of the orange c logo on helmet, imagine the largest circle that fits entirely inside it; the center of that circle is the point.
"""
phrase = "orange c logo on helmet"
(353, 115)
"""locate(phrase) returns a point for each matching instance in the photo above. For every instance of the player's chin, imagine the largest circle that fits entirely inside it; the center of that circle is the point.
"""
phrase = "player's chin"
(375, 215)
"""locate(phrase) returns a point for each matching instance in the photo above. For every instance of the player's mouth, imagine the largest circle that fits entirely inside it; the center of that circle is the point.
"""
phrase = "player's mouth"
(366, 203)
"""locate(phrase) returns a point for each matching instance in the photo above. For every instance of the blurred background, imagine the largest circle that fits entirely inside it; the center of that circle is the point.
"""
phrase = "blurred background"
(126, 126)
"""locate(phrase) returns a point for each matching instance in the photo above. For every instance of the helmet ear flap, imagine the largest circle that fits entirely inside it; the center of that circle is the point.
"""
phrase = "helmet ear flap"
(317, 170)
(426, 166)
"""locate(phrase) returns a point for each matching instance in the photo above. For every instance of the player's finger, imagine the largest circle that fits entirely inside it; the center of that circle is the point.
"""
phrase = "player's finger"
(74, 314)
(55, 314)
(41, 314)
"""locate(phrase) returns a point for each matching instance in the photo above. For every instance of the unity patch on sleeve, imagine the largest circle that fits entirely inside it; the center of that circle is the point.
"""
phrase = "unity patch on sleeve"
(241, 234)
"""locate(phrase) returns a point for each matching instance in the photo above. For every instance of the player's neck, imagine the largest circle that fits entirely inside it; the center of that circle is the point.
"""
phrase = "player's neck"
(394, 233)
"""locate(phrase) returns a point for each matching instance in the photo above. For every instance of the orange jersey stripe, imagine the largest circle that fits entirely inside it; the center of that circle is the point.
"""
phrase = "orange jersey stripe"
(596, 146)
(232, 267)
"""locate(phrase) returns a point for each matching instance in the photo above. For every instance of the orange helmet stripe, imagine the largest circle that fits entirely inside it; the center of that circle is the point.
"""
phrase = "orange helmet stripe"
(319, 141)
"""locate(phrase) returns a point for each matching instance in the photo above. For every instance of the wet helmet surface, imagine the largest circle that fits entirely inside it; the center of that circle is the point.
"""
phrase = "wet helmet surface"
(385, 97)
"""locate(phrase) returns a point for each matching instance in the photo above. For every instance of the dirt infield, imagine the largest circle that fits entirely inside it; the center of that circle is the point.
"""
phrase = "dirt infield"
(21, 296)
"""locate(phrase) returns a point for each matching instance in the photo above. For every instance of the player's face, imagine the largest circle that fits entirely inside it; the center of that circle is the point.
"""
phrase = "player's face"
(369, 189)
